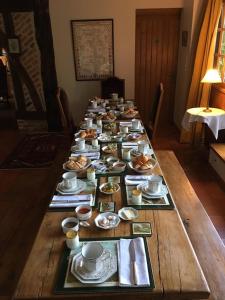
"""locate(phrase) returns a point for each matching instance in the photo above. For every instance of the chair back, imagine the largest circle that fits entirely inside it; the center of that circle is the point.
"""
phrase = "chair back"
(112, 85)
(65, 114)
(155, 111)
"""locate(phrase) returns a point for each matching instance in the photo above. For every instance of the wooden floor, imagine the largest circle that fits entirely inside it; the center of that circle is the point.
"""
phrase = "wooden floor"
(207, 184)
(24, 196)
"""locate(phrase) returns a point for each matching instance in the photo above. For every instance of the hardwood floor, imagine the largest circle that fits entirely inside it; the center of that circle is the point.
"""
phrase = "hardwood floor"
(205, 181)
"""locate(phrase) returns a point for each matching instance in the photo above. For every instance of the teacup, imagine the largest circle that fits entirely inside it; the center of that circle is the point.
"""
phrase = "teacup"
(70, 223)
(135, 123)
(142, 146)
(69, 180)
(89, 122)
(94, 104)
(114, 96)
(155, 184)
(124, 129)
(80, 143)
(93, 255)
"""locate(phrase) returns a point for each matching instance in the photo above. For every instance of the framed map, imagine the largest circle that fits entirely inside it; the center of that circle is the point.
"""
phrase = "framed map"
(93, 48)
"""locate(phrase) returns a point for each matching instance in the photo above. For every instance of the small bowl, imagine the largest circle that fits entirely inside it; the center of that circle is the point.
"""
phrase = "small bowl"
(84, 212)
(107, 220)
(70, 224)
(117, 138)
(128, 213)
(119, 166)
(111, 160)
(109, 193)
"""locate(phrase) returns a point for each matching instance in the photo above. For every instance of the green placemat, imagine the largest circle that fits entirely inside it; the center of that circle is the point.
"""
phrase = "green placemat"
(66, 283)
(163, 203)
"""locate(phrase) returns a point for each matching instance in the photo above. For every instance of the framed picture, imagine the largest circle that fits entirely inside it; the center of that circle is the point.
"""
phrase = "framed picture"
(141, 228)
(93, 48)
(14, 45)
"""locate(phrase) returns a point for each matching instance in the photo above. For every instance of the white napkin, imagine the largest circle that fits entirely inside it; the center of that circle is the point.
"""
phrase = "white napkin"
(136, 179)
(130, 145)
(91, 155)
(70, 201)
(129, 124)
(126, 276)
(68, 204)
(98, 109)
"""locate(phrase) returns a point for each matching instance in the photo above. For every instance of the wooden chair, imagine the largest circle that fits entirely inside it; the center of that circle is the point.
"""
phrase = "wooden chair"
(155, 113)
(112, 85)
(65, 114)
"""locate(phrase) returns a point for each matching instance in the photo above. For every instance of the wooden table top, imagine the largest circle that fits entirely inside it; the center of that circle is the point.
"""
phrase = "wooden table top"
(176, 270)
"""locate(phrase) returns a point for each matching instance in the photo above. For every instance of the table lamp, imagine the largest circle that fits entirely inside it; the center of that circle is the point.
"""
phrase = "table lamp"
(211, 76)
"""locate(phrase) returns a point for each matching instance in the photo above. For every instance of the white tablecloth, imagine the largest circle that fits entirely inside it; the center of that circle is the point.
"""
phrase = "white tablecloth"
(214, 119)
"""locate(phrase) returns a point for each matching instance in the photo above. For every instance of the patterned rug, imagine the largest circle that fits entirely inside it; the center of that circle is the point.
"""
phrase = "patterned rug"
(35, 151)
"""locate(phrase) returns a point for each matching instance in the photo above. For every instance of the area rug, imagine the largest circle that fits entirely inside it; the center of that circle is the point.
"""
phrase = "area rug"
(34, 151)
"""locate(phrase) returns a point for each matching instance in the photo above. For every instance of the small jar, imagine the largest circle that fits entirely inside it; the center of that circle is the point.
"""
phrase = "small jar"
(94, 143)
(72, 239)
(91, 174)
(126, 154)
(99, 123)
(136, 196)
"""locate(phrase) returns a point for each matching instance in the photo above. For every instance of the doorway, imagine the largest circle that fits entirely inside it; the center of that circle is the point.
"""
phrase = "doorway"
(156, 56)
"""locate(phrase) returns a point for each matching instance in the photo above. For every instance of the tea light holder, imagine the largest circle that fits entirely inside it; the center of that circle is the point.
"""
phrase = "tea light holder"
(136, 197)
(72, 240)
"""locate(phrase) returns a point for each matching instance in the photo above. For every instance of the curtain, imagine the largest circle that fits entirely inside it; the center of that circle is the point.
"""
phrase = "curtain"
(198, 93)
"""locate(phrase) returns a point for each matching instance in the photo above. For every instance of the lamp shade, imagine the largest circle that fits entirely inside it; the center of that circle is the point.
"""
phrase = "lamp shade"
(212, 76)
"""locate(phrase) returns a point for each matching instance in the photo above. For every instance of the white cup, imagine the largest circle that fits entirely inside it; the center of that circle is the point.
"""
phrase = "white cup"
(124, 129)
(126, 154)
(155, 184)
(130, 104)
(142, 146)
(94, 142)
(89, 122)
(114, 96)
(93, 255)
(94, 104)
(121, 100)
(80, 143)
(70, 223)
(122, 108)
(135, 123)
(136, 197)
(69, 180)
(99, 123)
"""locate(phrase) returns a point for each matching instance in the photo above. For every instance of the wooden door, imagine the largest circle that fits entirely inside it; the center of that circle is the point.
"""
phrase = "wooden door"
(156, 56)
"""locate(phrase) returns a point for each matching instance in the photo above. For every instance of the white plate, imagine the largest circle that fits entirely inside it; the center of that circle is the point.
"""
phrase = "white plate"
(104, 138)
(106, 215)
(134, 136)
(109, 151)
(109, 193)
(109, 268)
(79, 170)
(154, 162)
(131, 210)
(81, 186)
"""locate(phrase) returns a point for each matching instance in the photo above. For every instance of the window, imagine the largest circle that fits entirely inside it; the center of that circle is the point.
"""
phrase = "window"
(219, 61)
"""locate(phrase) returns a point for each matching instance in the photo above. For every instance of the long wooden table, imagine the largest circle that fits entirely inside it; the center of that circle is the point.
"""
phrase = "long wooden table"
(176, 270)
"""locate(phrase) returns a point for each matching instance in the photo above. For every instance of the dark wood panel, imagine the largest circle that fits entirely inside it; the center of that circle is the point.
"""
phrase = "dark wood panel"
(157, 39)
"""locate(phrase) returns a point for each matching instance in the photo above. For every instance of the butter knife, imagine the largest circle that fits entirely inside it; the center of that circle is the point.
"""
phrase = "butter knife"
(133, 260)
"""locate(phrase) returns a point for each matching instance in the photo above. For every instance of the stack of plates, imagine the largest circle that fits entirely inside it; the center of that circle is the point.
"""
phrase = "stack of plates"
(108, 268)
(81, 186)
(148, 194)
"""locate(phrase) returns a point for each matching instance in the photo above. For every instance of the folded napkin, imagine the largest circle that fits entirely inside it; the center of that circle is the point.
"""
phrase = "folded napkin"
(125, 263)
(98, 109)
(91, 155)
(133, 145)
(136, 179)
(68, 204)
(70, 201)
(129, 124)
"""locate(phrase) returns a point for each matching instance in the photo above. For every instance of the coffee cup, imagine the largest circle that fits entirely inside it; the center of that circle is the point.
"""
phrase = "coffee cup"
(155, 184)
(135, 123)
(124, 129)
(94, 104)
(114, 96)
(93, 255)
(142, 146)
(89, 122)
(69, 180)
(70, 223)
(80, 143)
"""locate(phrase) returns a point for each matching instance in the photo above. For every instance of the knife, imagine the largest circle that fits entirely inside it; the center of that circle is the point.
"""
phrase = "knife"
(133, 260)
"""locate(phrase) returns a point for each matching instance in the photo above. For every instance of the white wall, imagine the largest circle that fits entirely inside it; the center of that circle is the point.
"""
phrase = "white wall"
(123, 13)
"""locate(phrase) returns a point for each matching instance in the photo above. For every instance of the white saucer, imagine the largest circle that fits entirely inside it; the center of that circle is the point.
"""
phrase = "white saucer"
(144, 188)
(111, 225)
(81, 186)
(109, 268)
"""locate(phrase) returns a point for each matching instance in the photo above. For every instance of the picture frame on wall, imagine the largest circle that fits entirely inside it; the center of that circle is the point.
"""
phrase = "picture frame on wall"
(14, 45)
(93, 49)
